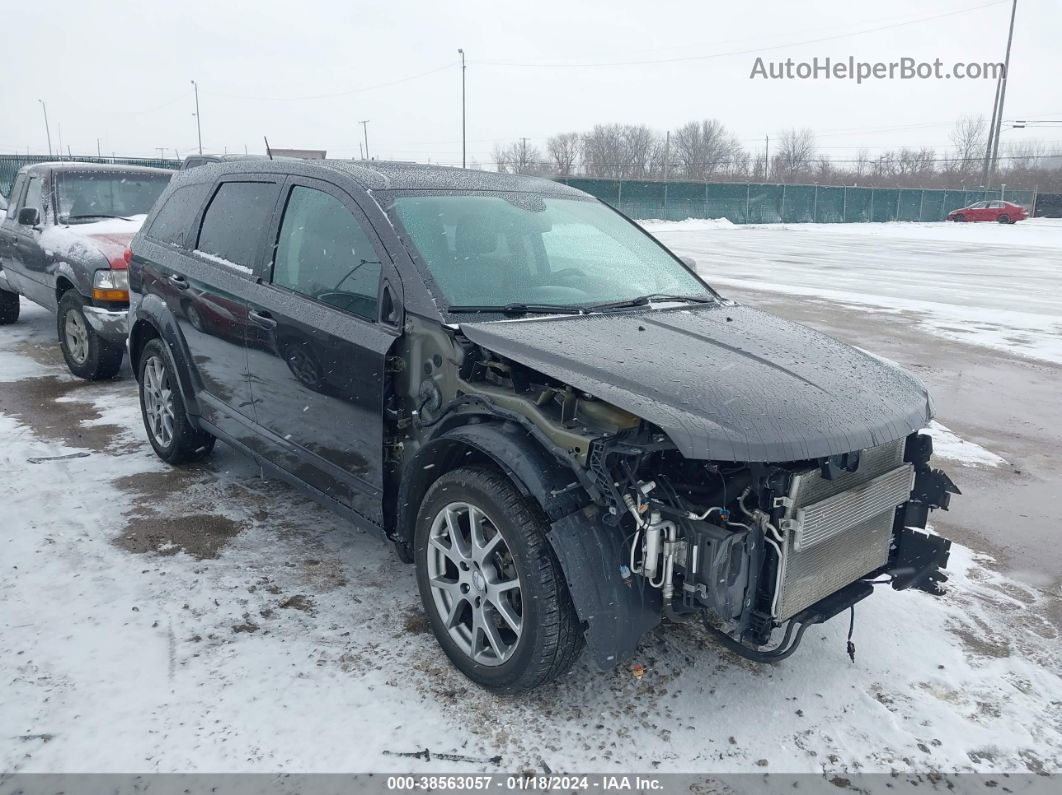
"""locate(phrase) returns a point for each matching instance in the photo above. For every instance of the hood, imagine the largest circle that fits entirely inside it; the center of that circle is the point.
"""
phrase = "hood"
(725, 382)
(108, 237)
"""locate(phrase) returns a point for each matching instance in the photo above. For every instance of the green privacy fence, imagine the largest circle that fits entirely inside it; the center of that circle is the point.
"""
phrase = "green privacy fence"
(750, 203)
(10, 164)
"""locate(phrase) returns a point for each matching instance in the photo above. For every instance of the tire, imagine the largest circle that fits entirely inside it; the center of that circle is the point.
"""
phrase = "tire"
(88, 355)
(549, 636)
(172, 436)
(960, 218)
(1004, 219)
(9, 306)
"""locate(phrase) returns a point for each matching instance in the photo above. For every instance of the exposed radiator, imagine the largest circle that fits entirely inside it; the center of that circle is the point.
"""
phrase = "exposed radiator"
(840, 530)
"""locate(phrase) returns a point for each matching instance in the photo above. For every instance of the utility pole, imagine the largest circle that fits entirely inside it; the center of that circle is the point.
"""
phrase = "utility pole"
(198, 125)
(361, 151)
(991, 133)
(766, 157)
(1003, 88)
(99, 154)
(365, 129)
(462, 52)
(667, 158)
(47, 131)
(162, 152)
(59, 132)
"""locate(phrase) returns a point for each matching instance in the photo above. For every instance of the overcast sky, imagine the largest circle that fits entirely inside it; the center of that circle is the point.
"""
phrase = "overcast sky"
(121, 71)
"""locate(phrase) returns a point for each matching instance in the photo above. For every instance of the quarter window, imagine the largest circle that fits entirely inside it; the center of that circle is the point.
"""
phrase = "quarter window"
(175, 218)
(323, 252)
(233, 222)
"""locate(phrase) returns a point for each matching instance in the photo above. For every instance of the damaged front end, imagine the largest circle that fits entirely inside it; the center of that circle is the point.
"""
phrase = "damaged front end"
(746, 547)
(752, 547)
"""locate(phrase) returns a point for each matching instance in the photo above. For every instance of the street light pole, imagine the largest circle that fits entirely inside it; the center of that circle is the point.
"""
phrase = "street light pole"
(365, 129)
(198, 125)
(47, 130)
(462, 52)
(1003, 88)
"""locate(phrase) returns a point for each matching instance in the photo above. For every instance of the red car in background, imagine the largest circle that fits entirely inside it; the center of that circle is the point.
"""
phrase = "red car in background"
(999, 211)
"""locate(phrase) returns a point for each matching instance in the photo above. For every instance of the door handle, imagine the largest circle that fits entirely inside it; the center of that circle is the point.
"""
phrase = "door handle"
(263, 319)
(178, 281)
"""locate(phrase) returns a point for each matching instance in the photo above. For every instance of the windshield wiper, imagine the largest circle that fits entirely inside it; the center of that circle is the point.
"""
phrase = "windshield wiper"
(513, 309)
(644, 300)
(95, 215)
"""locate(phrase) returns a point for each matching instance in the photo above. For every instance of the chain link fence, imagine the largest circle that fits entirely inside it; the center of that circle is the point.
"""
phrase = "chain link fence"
(10, 164)
(738, 202)
(750, 203)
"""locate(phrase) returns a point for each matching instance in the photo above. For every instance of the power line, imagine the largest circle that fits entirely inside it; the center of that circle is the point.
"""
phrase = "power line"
(683, 59)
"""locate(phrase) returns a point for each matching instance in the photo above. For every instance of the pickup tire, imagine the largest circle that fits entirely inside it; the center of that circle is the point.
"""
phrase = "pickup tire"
(9, 305)
(88, 355)
(495, 589)
(173, 437)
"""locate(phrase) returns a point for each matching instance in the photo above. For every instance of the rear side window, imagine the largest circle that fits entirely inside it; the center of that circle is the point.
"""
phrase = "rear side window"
(174, 219)
(323, 252)
(234, 221)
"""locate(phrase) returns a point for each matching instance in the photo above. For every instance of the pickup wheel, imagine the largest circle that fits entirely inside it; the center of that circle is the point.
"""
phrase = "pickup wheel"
(172, 436)
(88, 355)
(8, 308)
(495, 595)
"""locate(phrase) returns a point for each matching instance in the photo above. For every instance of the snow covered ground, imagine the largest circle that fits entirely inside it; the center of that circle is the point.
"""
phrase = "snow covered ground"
(987, 284)
(204, 619)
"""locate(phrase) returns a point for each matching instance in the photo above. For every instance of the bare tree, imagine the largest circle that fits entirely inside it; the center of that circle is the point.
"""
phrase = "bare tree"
(702, 148)
(796, 151)
(564, 152)
(968, 137)
(520, 157)
(621, 151)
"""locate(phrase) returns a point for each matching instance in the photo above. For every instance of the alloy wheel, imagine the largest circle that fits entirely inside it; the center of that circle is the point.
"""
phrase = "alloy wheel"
(76, 333)
(474, 584)
(158, 401)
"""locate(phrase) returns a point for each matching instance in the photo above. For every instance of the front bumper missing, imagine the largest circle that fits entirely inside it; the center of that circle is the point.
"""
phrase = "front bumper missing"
(110, 324)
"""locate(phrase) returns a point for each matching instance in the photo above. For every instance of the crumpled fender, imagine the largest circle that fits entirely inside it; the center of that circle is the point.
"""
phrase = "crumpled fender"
(616, 608)
(152, 310)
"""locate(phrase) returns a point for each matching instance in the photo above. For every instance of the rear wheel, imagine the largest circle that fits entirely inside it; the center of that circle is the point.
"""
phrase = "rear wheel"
(1004, 219)
(171, 434)
(494, 593)
(960, 218)
(87, 354)
(8, 308)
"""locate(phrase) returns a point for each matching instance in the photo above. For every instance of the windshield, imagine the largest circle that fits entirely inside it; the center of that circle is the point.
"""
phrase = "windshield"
(490, 251)
(87, 196)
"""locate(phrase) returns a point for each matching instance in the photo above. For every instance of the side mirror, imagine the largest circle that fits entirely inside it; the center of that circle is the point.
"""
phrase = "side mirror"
(29, 216)
(689, 262)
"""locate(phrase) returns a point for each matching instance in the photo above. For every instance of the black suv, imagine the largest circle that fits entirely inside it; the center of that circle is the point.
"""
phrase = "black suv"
(64, 245)
(553, 417)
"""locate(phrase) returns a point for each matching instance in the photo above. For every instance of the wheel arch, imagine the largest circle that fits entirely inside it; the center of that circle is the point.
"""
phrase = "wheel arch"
(502, 444)
(152, 319)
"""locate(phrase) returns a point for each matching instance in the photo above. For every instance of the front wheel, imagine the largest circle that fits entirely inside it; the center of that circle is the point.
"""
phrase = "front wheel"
(1004, 219)
(959, 218)
(87, 354)
(171, 434)
(8, 307)
(494, 593)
